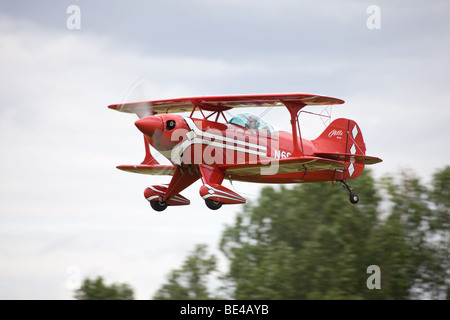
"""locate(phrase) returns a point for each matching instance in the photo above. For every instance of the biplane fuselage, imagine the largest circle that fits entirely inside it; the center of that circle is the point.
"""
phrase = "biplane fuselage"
(220, 144)
(243, 148)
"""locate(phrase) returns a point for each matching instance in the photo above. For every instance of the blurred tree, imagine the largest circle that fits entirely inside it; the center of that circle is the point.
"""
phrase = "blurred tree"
(415, 257)
(439, 231)
(302, 242)
(309, 242)
(189, 282)
(97, 290)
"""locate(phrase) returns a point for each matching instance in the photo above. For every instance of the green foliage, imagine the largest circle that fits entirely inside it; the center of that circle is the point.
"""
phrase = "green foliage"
(97, 290)
(310, 237)
(418, 245)
(309, 242)
(439, 232)
(189, 282)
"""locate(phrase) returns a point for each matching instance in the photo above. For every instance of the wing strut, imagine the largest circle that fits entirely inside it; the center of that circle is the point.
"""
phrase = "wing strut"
(148, 160)
(202, 106)
(294, 108)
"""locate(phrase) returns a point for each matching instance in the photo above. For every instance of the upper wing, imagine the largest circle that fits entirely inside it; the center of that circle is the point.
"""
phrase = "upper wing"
(288, 165)
(149, 169)
(221, 103)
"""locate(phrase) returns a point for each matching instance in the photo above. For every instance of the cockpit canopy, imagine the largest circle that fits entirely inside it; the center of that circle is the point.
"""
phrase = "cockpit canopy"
(253, 122)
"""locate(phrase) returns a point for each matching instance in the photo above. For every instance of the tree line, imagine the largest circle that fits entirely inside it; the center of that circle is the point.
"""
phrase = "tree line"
(308, 242)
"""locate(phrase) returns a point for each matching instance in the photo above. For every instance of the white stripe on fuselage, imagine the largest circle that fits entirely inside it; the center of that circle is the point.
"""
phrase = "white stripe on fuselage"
(191, 124)
(197, 136)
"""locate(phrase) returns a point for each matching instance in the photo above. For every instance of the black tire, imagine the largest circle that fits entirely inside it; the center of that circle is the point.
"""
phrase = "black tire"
(354, 198)
(213, 205)
(158, 206)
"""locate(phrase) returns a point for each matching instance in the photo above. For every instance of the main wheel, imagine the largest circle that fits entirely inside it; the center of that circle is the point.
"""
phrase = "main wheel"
(158, 206)
(213, 205)
(354, 198)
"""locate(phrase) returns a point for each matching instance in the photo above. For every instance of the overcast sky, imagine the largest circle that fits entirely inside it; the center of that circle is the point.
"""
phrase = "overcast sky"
(66, 212)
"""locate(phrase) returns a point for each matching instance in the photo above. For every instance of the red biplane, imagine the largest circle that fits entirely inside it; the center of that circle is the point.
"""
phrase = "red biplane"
(243, 148)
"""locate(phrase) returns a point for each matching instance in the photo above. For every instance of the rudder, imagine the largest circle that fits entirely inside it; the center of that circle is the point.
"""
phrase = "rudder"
(342, 140)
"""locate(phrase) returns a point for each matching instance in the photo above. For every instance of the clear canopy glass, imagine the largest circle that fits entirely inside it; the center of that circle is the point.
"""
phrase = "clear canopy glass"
(253, 122)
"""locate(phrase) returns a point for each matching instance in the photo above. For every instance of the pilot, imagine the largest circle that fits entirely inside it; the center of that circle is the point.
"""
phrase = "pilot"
(252, 122)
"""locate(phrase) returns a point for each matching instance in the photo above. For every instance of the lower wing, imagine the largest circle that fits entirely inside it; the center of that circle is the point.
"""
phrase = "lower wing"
(149, 169)
(288, 165)
(354, 158)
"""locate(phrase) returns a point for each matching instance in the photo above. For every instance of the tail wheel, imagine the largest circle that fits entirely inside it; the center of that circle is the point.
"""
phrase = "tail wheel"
(158, 205)
(354, 198)
(213, 205)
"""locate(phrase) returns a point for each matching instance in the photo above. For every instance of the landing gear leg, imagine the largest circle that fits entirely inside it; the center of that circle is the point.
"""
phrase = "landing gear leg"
(353, 197)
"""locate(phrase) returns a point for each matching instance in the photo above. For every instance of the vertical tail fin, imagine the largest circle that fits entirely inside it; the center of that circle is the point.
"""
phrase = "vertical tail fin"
(342, 140)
